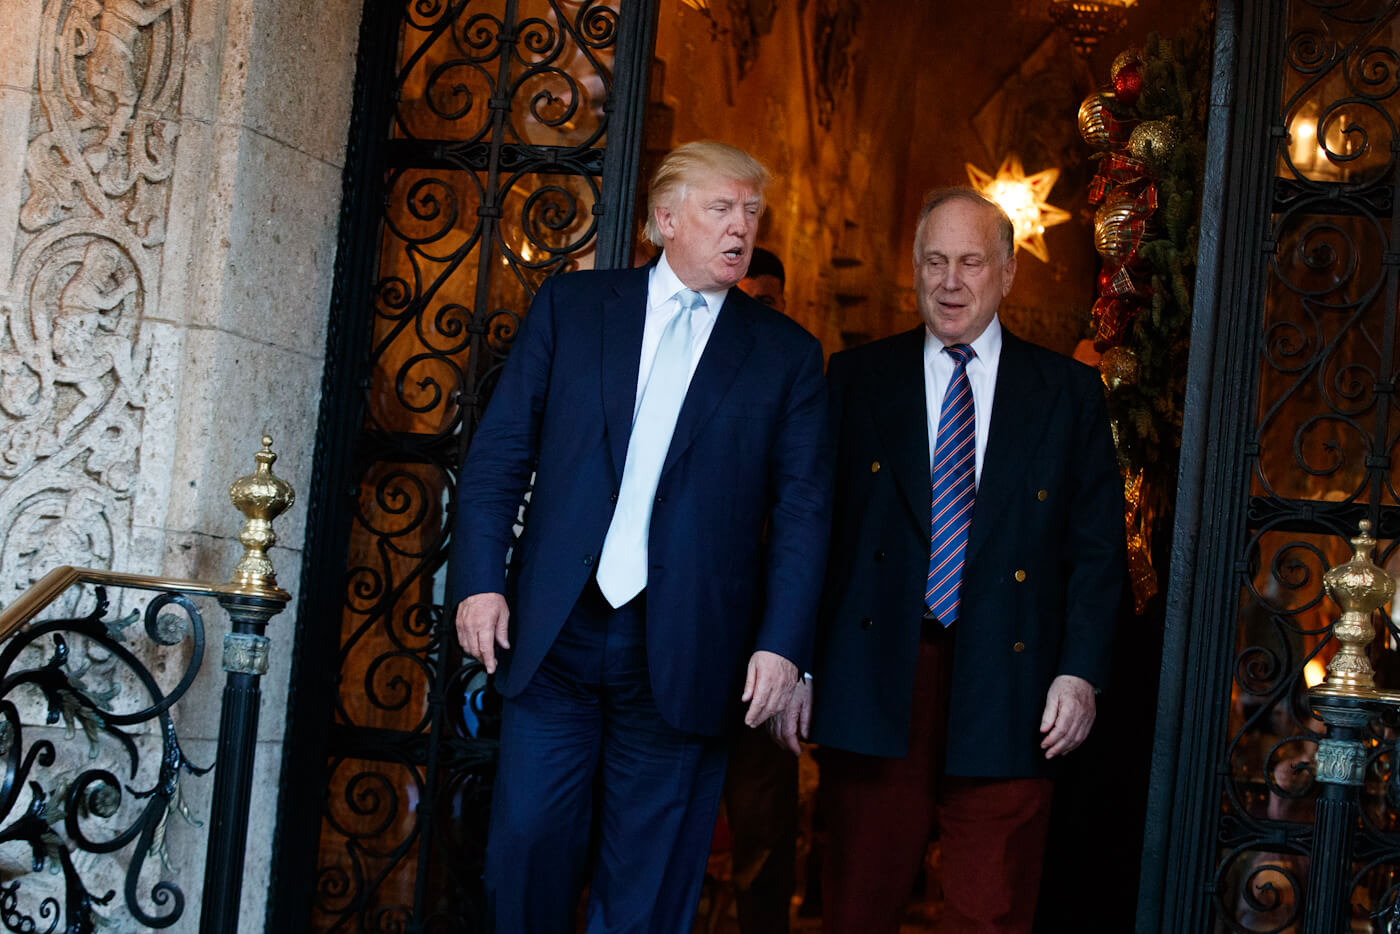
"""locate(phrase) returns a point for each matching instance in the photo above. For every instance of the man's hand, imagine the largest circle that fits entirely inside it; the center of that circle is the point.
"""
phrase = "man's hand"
(481, 626)
(1069, 713)
(768, 686)
(789, 727)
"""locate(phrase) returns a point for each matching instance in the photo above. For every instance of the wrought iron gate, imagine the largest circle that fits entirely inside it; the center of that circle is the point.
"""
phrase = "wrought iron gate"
(493, 143)
(1290, 439)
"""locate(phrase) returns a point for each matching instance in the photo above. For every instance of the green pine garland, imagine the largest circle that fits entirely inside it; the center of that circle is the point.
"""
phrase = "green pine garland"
(1147, 413)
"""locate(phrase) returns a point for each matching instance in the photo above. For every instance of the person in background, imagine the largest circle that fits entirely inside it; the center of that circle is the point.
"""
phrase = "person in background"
(760, 788)
(765, 279)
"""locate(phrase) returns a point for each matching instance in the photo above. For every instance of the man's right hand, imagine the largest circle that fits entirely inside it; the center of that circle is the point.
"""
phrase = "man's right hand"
(789, 726)
(481, 626)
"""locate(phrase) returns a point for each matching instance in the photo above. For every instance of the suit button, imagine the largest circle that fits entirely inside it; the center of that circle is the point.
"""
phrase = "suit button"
(1020, 576)
(613, 498)
(874, 466)
(879, 554)
(660, 498)
(867, 623)
(1042, 495)
(588, 561)
(1019, 647)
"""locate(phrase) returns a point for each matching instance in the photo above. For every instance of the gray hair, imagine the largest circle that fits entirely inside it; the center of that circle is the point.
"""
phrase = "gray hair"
(941, 196)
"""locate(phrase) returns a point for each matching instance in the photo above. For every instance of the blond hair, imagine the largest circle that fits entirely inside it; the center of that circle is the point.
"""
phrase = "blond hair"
(687, 164)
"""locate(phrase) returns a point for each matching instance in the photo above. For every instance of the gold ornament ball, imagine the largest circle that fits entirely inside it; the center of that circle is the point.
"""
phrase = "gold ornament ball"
(1153, 142)
(1112, 236)
(1124, 59)
(1093, 121)
(1119, 367)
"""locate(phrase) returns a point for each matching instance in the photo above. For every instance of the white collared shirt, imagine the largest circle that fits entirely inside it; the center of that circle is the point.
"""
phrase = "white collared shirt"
(981, 373)
(662, 286)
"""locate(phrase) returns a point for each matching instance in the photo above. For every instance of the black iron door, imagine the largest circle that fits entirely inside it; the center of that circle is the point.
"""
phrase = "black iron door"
(494, 143)
(1290, 439)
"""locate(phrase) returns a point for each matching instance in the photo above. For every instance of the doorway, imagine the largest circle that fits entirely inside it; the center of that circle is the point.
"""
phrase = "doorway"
(483, 158)
(859, 108)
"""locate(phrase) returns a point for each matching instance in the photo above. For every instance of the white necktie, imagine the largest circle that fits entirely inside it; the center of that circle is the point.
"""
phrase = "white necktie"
(622, 567)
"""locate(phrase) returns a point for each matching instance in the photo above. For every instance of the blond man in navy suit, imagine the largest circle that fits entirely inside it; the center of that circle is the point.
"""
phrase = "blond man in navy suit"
(667, 419)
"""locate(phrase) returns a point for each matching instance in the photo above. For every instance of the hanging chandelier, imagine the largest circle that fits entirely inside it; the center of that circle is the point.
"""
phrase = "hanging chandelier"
(1088, 21)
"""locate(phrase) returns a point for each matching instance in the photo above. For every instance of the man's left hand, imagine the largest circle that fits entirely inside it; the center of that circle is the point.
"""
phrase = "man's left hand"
(1069, 713)
(768, 686)
(788, 728)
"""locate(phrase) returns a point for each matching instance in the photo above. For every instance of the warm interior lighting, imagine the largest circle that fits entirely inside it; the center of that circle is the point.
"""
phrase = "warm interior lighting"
(1314, 673)
(1022, 197)
(1325, 156)
(703, 8)
(1088, 21)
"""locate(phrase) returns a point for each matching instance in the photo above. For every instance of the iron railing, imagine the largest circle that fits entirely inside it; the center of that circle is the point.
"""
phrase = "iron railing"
(111, 795)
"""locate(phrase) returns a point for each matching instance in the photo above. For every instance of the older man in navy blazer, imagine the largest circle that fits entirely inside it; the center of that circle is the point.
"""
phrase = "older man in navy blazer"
(976, 567)
(667, 419)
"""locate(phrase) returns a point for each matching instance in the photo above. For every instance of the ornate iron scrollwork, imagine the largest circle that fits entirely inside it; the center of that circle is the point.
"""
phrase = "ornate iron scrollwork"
(1321, 445)
(486, 175)
(61, 804)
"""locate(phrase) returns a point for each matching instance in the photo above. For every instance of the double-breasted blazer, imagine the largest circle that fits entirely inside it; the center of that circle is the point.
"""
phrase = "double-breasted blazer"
(749, 450)
(1044, 562)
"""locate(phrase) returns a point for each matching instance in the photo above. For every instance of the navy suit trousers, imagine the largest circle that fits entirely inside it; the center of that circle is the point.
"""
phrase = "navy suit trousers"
(585, 735)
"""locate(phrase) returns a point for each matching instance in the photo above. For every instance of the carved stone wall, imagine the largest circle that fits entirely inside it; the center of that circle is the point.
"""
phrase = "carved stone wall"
(81, 275)
(170, 177)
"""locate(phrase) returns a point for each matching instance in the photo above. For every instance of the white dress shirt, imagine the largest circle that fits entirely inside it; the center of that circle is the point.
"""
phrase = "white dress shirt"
(662, 287)
(981, 373)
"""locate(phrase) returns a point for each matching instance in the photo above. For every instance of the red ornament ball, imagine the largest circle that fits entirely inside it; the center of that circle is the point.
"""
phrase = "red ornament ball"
(1124, 59)
(1127, 84)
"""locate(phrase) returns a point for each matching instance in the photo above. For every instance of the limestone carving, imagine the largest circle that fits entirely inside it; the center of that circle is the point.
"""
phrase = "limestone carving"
(74, 360)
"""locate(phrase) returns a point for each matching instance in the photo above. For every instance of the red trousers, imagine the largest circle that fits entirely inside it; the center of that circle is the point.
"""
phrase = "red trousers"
(881, 812)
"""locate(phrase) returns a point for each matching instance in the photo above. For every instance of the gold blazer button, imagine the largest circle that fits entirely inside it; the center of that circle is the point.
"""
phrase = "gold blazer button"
(1042, 495)
(874, 466)
(1019, 647)
(1020, 576)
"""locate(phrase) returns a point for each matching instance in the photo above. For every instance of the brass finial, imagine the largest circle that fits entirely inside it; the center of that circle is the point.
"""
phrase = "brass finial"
(1360, 587)
(261, 497)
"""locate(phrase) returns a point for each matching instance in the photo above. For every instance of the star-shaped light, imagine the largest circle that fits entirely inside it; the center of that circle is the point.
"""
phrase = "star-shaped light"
(1022, 197)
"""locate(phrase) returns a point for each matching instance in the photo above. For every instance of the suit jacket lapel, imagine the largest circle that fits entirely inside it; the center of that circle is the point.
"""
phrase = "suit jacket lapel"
(900, 410)
(1019, 403)
(729, 345)
(624, 316)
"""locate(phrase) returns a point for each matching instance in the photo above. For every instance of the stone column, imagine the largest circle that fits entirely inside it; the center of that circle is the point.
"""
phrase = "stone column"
(170, 176)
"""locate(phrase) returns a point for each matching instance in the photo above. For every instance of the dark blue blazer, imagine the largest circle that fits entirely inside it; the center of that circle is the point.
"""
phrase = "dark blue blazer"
(749, 452)
(1044, 565)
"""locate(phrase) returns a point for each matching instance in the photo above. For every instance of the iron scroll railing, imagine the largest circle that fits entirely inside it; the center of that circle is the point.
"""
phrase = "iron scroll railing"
(94, 811)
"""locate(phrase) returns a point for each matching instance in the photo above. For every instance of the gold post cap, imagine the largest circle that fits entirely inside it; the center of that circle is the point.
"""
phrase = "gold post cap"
(261, 496)
(1360, 587)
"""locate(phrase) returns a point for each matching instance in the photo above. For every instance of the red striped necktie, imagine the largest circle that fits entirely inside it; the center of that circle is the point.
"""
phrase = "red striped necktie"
(954, 490)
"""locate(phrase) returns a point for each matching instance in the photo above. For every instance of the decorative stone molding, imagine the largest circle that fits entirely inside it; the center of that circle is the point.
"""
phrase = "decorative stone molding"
(74, 359)
(837, 32)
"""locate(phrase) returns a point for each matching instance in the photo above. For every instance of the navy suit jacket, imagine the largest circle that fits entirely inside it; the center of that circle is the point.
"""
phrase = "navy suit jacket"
(749, 450)
(1044, 562)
